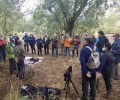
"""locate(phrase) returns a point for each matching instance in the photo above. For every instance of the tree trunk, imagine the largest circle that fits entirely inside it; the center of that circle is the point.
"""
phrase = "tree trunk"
(69, 26)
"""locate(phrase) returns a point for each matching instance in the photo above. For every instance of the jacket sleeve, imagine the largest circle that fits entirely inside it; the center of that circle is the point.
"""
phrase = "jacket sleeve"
(82, 61)
(116, 51)
(103, 60)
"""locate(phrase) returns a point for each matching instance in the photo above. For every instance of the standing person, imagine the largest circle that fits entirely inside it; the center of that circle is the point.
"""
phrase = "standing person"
(20, 56)
(62, 44)
(107, 63)
(67, 45)
(46, 42)
(96, 40)
(16, 39)
(32, 42)
(102, 41)
(116, 53)
(26, 42)
(75, 42)
(11, 55)
(54, 45)
(39, 46)
(2, 49)
(89, 73)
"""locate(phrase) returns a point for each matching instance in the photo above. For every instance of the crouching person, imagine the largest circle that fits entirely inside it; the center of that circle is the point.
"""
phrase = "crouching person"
(20, 56)
(11, 55)
(90, 68)
(107, 62)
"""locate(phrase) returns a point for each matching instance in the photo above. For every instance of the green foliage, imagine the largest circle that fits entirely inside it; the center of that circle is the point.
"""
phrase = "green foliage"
(66, 15)
(9, 15)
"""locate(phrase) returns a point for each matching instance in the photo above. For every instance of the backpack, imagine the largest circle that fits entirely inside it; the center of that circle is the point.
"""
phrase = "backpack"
(94, 59)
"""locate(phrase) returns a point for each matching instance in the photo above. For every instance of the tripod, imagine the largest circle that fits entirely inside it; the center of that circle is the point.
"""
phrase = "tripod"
(67, 86)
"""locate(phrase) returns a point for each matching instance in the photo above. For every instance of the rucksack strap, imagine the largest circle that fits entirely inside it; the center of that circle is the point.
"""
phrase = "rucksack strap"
(91, 48)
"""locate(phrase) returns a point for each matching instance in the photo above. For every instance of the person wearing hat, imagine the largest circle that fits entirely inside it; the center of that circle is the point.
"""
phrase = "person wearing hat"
(46, 42)
(20, 56)
(116, 52)
(11, 55)
(88, 75)
(102, 41)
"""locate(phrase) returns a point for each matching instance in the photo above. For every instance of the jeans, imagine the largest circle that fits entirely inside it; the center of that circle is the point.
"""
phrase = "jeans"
(54, 47)
(108, 83)
(3, 55)
(75, 47)
(46, 49)
(26, 47)
(12, 67)
(67, 51)
(85, 82)
(21, 68)
(39, 51)
(115, 71)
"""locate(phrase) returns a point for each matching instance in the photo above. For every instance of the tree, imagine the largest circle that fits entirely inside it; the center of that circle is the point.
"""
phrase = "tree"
(67, 12)
(9, 14)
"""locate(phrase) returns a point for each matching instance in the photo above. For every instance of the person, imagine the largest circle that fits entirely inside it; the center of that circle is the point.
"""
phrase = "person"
(20, 56)
(96, 40)
(107, 63)
(54, 45)
(67, 45)
(62, 44)
(116, 52)
(32, 42)
(88, 75)
(16, 39)
(2, 49)
(102, 40)
(46, 42)
(75, 42)
(26, 42)
(11, 55)
(39, 46)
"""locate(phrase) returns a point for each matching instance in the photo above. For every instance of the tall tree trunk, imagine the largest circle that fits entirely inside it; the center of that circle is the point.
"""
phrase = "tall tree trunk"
(69, 26)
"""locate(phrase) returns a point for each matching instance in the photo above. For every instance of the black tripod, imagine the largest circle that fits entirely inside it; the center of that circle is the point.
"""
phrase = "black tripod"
(67, 86)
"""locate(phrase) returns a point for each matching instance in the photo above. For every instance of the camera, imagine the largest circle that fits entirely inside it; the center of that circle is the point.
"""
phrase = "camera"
(68, 73)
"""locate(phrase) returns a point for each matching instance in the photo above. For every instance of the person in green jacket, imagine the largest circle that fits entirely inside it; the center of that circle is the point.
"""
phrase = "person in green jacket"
(11, 56)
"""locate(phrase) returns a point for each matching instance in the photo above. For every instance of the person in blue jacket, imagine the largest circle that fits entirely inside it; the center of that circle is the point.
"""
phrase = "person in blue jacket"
(39, 46)
(26, 42)
(88, 75)
(32, 42)
(116, 53)
(107, 72)
(16, 39)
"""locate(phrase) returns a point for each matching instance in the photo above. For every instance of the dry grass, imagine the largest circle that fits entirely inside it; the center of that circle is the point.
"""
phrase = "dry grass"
(49, 74)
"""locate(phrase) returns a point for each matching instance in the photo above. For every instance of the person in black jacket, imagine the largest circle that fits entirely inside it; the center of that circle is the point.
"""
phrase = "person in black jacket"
(102, 41)
(46, 42)
(16, 39)
(107, 63)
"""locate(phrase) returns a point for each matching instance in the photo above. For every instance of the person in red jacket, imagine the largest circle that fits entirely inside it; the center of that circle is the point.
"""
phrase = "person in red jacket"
(2, 49)
(75, 42)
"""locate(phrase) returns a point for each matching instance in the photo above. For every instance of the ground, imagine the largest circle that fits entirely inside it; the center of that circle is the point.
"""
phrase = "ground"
(51, 74)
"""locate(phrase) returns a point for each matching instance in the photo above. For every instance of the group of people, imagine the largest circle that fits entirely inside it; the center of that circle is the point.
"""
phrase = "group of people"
(98, 59)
